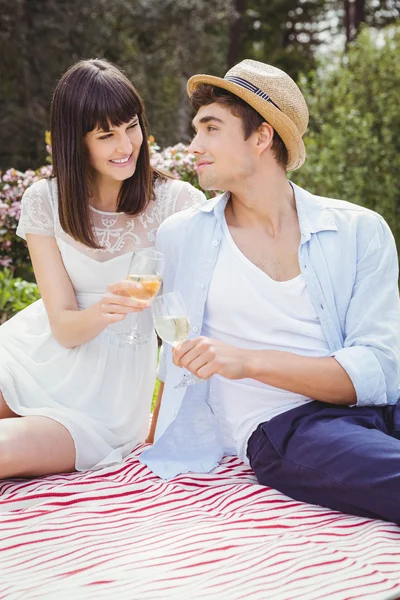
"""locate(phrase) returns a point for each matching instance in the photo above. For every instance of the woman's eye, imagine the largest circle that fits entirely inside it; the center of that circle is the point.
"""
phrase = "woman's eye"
(105, 137)
(133, 125)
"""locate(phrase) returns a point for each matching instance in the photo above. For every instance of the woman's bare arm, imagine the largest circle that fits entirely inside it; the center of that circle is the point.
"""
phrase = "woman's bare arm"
(70, 326)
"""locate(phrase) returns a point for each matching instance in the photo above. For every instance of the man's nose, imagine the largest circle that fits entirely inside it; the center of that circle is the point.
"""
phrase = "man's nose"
(196, 147)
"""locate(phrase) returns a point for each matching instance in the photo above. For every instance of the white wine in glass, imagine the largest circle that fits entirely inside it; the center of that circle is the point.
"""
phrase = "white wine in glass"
(173, 326)
(146, 268)
(172, 329)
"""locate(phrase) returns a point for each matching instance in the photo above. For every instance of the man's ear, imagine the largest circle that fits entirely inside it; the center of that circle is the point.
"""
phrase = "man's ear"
(265, 136)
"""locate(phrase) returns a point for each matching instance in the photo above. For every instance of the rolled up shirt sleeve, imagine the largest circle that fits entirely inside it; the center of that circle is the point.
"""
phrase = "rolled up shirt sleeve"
(371, 352)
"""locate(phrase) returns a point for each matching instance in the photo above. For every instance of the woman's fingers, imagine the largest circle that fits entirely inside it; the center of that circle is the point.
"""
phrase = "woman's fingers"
(123, 303)
(125, 288)
(120, 310)
(113, 318)
(118, 301)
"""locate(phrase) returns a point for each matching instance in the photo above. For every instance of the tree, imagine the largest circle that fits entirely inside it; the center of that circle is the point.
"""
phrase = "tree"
(39, 40)
(356, 13)
(353, 144)
(285, 33)
(159, 44)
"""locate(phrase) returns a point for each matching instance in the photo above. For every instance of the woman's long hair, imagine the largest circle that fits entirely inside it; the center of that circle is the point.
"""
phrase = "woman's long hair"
(94, 93)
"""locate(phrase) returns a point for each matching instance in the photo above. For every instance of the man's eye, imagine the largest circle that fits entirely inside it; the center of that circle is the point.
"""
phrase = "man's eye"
(211, 128)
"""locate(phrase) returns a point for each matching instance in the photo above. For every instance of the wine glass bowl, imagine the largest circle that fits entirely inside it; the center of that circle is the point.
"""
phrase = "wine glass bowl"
(145, 268)
(150, 285)
(173, 326)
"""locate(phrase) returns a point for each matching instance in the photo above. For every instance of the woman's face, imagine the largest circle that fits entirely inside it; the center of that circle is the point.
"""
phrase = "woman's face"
(113, 154)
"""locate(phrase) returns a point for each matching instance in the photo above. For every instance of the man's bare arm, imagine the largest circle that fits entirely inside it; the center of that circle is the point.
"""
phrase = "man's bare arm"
(321, 379)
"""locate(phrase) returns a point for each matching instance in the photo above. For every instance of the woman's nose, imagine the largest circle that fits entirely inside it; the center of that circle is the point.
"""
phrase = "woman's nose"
(125, 145)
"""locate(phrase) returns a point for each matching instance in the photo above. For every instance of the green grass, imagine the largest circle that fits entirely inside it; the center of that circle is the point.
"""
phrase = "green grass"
(155, 393)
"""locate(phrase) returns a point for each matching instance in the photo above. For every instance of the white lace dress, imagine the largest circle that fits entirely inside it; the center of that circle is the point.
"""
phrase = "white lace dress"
(100, 391)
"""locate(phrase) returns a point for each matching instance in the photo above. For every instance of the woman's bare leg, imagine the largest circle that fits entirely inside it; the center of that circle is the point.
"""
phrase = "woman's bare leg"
(5, 410)
(34, 446)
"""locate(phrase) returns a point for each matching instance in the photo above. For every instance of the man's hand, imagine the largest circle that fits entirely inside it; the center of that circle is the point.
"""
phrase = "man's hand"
(206, 357)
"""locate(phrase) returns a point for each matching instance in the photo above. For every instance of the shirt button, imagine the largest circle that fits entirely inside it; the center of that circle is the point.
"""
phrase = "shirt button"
(215, 243)
(195, 329)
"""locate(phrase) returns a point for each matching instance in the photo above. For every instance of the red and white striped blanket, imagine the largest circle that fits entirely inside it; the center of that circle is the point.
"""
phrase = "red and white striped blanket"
(123, 533)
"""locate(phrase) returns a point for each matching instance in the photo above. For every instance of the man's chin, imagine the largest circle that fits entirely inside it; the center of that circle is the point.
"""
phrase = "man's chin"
(208, 184)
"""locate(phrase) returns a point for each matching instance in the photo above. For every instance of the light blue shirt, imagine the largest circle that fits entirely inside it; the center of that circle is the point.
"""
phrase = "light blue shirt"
(348, 259)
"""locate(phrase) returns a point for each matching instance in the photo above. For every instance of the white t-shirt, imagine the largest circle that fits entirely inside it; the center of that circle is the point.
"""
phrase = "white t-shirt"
(248, 309)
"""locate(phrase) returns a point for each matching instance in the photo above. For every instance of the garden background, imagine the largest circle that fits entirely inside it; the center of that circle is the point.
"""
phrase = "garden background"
(343, 53)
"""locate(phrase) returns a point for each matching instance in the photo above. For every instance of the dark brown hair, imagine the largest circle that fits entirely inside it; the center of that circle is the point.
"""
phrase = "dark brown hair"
(94, 93)
(251, 120)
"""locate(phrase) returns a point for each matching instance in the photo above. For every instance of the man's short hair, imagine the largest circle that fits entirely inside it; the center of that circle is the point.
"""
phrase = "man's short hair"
(206, 94)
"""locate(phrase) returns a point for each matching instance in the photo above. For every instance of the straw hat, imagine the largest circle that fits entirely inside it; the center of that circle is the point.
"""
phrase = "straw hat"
(274, 95)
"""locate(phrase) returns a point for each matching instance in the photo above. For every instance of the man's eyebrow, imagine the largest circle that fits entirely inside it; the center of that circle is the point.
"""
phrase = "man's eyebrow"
(207, 119)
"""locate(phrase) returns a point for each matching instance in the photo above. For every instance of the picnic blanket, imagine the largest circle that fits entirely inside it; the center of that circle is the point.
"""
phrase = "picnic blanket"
(123, 533)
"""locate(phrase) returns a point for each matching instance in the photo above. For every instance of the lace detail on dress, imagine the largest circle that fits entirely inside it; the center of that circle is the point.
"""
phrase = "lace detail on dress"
(36, 212)
(114, 239)
(116, 233)
(194, 198)
(156, 211)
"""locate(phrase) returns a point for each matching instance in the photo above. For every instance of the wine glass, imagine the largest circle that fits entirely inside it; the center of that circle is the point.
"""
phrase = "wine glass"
(146, 268)
(173, 326)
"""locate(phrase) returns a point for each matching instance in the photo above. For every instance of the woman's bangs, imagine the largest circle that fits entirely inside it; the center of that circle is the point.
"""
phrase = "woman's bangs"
(111, 104)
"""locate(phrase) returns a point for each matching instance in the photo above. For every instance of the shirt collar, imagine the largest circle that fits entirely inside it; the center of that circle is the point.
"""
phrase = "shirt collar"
(216, 205)
(313, 215)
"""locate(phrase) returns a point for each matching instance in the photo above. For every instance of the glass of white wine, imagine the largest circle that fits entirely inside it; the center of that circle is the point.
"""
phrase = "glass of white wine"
(172, 325)
(146, 268)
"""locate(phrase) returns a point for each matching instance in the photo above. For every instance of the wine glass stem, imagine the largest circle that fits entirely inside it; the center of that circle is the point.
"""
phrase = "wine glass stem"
(133, 323)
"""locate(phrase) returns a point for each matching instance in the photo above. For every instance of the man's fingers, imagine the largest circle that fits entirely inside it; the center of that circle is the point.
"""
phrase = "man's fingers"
(194, 354)
(181, 349)
(199, 365)
(206, 372)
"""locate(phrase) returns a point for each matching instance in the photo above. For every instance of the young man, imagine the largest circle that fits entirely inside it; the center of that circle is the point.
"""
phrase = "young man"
(296, 300)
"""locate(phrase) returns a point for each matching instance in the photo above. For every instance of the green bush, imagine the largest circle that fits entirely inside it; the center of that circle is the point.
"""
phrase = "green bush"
(15, 294)
(353, 143)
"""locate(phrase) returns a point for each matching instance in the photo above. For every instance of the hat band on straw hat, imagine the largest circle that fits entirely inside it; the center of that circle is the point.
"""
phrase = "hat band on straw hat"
(251, 87)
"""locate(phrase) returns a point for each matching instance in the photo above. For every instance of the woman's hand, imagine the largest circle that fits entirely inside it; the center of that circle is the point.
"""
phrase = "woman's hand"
(70, 326)
(118, 301)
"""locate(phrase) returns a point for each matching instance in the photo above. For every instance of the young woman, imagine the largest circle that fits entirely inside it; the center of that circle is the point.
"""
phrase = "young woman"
(73, 393)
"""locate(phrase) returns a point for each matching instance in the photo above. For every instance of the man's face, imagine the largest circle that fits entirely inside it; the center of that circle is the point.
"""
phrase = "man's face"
(224, 158)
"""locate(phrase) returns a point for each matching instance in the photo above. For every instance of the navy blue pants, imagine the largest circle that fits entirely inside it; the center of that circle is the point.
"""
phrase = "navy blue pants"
(343, 458)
